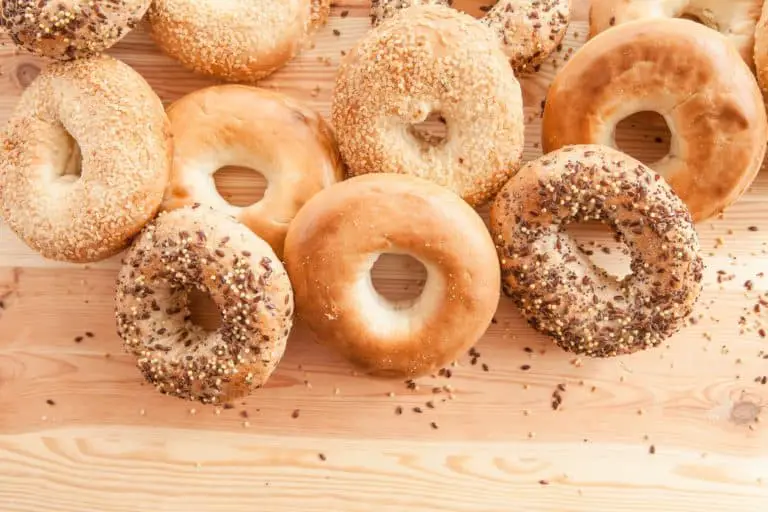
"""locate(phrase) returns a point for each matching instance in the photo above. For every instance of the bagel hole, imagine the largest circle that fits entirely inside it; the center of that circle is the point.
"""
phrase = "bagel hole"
(644, 136)
(399, 279)
(72, 168)
(598, 241)
(240, 186)
(203, 311)
(433, 131)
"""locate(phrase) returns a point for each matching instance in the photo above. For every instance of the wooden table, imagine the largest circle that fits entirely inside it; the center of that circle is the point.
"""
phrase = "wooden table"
(673, 429)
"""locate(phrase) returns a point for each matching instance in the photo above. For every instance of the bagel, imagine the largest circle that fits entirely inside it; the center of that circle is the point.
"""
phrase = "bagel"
(337, 237)
(422, 63)
(245, 126)
(692, 77)
(99, 117)
(237, 40)
(199, 248)
(529, 30)
(735, 19)
(69, 29)
(761, 50)
(559, 291)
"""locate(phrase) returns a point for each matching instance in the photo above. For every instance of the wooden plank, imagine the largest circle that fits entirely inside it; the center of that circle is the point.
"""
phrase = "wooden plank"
(109, 443)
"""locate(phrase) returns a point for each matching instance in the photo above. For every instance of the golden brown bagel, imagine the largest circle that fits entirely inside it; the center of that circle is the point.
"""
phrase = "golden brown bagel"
(99, 118)
(558, 289)
(337, 237)
(290, 144)
(529, 30)
(199, 248)
(422, 63)
(69, 29)
(735, 19)
(689, 74)
(237, 40)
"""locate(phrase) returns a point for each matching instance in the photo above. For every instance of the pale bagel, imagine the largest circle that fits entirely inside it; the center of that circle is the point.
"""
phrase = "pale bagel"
(735, 19)
(290, 144)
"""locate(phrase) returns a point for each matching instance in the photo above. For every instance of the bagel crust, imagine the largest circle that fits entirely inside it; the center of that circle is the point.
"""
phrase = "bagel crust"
(290, 144)
(692, 77)
(97, 116)
(735, 19)
(198, 248)
(237, 40)
(421, 63)
(69, 29)
(337, 237)
(528, 30)
(558, 289)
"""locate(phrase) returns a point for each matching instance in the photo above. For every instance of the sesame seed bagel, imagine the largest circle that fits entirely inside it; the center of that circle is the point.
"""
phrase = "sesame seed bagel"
(199, 248)
(558, 289)
(69, 29)
(289, 143)
(99, 118)
(422, 63)
(735, 19)
(338, 236)
(237, 40)
(529, 30)
(694, 78)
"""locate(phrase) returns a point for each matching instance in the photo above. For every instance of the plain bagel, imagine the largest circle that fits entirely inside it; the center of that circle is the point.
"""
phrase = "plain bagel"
(225, 125)
(338, 236)
(237, 40)
(529, 30)
(427, 62)
(199, 248)
(69, 29)
(692, 77)
(97, 118)
(558, 289)
(735, 19)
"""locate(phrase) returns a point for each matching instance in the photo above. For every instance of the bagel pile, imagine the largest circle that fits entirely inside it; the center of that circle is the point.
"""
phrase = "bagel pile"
(91, 164)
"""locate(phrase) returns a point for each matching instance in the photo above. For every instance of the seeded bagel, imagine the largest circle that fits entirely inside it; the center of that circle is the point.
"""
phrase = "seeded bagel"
(199, 248)
(237, 40)
(528, 30)
(84, 160)
(558, 289)
(422, 63)
(69, 29)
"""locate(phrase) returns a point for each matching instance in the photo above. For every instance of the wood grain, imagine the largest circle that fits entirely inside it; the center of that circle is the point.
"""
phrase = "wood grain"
(80, 432)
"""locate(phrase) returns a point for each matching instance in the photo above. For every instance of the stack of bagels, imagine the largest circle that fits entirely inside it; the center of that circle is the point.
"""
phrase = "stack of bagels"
(91, 164)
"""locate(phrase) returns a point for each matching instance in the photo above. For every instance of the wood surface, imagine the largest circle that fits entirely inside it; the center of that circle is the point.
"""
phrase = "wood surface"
(669, 430)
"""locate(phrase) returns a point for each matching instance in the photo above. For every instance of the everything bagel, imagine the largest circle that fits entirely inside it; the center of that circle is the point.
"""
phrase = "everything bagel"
(558, 289)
